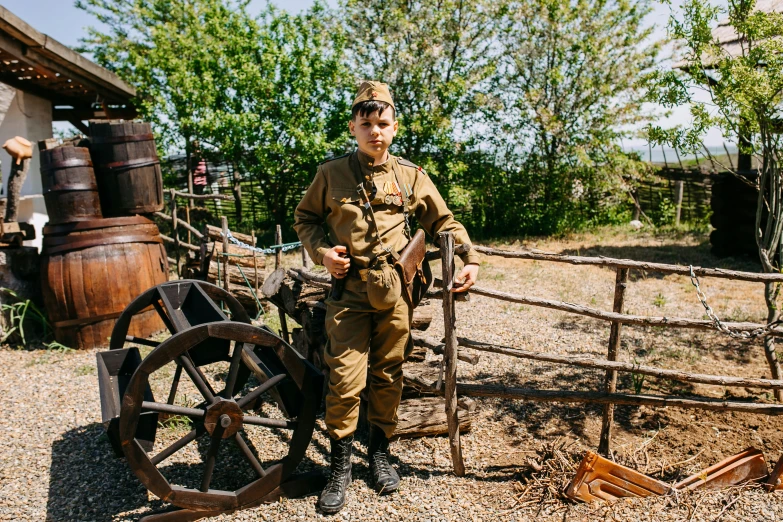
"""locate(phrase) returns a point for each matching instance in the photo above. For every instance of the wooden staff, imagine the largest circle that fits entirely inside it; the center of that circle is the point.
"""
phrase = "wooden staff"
(224, 224)
(610, 382)
(174, 231)
(278, 262)
(450, 351)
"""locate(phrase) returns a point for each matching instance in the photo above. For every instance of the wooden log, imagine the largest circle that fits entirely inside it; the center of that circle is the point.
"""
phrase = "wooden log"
(610, 382)
(15, 182)
(450, 351)
(203, 196)
(640, 320)
(422, 315)
(585, 361)
(321, 278)
(216, 234)
(234, 275)
(168, 239)
(628, 263)
(240, 255)
(437, 348)
(696, 403)
(426, 417)
(184, 224)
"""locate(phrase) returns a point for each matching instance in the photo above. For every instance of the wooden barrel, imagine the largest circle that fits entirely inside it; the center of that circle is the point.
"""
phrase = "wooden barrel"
(127, 167)
(92, 270)
(69, 188)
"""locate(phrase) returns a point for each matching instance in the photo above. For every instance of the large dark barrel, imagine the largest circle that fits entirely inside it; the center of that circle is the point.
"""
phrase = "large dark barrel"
(92, 270)
(69, 188)
(733, 216)
(127, 167)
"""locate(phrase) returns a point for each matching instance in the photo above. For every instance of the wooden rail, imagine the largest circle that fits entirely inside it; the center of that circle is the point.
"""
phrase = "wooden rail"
(641, 320)
(629, 263)
(609, 397)
(618, 366)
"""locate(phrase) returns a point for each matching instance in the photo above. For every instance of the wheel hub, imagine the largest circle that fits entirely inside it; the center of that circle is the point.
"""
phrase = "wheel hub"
(225, 413)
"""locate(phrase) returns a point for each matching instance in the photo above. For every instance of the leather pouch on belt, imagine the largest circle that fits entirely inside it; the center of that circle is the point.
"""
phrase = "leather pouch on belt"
(383, 287)
(416, 275)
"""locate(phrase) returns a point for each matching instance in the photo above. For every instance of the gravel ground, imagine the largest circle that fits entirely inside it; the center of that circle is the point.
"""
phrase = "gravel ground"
(57, 463)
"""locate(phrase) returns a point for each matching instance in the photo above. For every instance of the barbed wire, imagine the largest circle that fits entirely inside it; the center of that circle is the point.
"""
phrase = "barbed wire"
(285, 247)
(752, 334)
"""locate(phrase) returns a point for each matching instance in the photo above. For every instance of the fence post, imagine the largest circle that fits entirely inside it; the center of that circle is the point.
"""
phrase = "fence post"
(174, 230)
(255, 260)
(450, 351)
(678, 187)
(610, 382)
(278, 262)
(224, 225)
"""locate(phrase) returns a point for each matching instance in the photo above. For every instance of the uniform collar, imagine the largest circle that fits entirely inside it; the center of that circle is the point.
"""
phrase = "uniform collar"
(368, 164)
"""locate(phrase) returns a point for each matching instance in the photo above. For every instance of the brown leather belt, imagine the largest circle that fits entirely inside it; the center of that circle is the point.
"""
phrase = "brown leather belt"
(358, 273)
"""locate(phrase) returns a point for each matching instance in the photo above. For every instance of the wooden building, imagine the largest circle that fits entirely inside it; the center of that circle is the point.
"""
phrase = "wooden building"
(43, 81)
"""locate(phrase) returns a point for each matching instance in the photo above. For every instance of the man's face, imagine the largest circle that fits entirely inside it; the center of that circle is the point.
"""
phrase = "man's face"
(374, 133)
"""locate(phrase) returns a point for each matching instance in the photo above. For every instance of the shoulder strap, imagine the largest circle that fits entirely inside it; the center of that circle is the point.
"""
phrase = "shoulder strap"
(406, 163)
(327, 160)
(354, 163)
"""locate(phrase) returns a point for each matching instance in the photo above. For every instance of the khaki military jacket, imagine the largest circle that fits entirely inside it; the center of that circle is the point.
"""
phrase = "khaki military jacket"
(332, 212)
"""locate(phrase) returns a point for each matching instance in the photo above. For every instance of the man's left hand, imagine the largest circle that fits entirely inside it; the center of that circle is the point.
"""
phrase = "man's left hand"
(466, 278)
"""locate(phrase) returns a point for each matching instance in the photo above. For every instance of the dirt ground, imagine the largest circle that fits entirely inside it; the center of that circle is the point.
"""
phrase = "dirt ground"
(57, 463)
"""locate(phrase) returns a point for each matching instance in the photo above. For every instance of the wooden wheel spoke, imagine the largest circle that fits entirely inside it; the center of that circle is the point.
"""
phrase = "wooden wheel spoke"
(252, 396)
(249, 455)
(142, 341)
(270, 423)
(177, 445)
(197, 377)
(174, 384)
(173, 409)
(233, 371)
(209, 465)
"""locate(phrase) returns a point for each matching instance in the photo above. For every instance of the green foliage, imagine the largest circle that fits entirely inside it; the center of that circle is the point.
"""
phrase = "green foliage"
(20, 314)
(665, 213)
(434, 55)
(268, 94)
(744, 93)
(516, 108)
(569, 85)
(638, 380)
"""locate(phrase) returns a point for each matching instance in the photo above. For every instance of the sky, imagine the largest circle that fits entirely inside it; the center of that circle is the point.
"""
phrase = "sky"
(61, 20)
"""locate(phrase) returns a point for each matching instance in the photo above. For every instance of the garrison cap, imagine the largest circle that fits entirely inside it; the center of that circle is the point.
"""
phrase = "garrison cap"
(373, 91)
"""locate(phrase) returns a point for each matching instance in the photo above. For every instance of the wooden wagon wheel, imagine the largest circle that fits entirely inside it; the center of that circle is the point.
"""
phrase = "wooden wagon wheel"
(181, 305)
(223, 416)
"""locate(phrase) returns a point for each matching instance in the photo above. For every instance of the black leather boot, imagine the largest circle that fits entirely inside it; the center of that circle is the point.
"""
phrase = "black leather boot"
(333, 496)
(384, 476)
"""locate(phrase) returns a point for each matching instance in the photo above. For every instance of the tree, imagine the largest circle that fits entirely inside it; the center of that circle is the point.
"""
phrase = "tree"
(744, 87)
(434, 55)
(268, 94)
(568, 90)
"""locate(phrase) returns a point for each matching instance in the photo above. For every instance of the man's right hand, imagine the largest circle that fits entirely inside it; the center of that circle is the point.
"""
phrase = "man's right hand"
(337, 262)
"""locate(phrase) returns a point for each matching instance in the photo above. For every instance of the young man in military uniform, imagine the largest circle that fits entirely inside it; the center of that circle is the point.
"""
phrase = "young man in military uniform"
(363, 199)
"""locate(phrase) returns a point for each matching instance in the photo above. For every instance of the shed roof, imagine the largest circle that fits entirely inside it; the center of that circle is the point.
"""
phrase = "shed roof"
(727, 36)
(37, 63)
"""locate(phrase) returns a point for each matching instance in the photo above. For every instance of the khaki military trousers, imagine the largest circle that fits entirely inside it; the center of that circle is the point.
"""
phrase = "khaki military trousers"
(359, 334)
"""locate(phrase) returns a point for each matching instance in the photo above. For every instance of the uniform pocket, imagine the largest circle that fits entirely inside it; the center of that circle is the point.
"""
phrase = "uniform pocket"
(344, 195)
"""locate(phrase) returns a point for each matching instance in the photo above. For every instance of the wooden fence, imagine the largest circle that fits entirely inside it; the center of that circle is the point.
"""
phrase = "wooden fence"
(609, 397)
